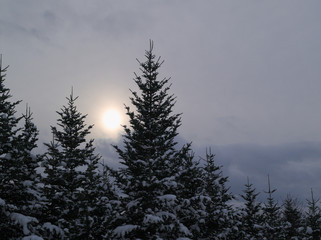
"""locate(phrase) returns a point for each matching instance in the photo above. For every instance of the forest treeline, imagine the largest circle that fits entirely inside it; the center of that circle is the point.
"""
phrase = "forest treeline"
(161, 191)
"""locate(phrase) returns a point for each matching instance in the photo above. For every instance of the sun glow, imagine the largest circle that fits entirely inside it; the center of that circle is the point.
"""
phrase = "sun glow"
(112, 120)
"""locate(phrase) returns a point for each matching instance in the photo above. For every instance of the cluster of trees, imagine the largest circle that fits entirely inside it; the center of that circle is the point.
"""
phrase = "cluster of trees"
(160, 192)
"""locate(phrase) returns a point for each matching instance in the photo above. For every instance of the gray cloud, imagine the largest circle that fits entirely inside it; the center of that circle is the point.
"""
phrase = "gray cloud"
(246, 74)
(293, 168)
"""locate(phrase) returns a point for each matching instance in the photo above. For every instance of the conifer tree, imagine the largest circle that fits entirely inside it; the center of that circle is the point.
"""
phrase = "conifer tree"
(8, 123)
(250, 214)
(189, 193)
(18, 177)
(313, 218)
(292, 219)
(29, 179)
(97, 199)
(111, 203)
(219, 221)
(8, 138)
(71, 175)
(150, 160)
(271, 215)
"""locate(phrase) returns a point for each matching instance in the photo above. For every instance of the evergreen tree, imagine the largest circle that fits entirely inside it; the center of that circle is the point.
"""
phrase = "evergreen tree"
(250, 214)
(71, 175)
(97, 199)
(8, 121)
(219, 221)
(112, 204)
(150, 160)
(313, 219)
(292, 219)
(29, 179)
(271, 216)
(189, 189)
(8, 139)
(18, 177)
(53, 206)
(53, 188)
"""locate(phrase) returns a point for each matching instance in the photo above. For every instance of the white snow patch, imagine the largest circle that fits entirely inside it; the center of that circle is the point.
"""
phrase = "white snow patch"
(168, 197)
(53, 228)
(309, 230)
(27, 183)
(184, 229)
(149, 218)
(2, 202)
(121, 231)
(32, 237)
(23, 221)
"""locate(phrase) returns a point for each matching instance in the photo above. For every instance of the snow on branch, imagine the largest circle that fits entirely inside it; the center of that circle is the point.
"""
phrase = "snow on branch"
(121, 231)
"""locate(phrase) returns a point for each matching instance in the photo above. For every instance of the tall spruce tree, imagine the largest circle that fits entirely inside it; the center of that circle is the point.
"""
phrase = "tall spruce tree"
(18, 177)
(150, 160)
(71, 177)
(8, 138)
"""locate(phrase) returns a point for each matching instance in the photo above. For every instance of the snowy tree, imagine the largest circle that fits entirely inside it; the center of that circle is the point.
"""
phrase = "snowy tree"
(219, 221)
(53, 184)
(18, 178)
(292, 227)
(8, 139)
(71, 175)
(8, 121)
(271, 215)
(111, 203)
(150, 160)
(313, 219)
(251, 217)
(98, 200)
(28, 178)
(189, 189)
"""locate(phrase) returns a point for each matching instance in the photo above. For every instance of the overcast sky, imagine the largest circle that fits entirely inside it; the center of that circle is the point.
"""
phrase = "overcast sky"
(246, 74)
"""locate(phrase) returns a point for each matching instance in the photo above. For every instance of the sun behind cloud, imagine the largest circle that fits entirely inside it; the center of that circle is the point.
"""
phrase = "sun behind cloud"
(112, 120)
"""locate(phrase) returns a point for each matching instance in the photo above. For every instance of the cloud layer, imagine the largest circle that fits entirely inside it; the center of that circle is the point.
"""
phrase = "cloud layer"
(246, 74)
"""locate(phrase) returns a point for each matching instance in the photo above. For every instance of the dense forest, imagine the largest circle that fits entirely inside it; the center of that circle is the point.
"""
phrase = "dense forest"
(161, 191)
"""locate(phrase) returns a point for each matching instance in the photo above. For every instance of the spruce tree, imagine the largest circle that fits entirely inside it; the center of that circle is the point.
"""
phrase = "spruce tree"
(8, 130)
(112, 204)
(97, 199)
(150, 160)
(313, 219)
(219, 221)
(29, 179)
(189, 193)
(8, 138)
(53, 203)
(9, 122)
(271, 215)
(19, 195)
(250, 214)
(292, 219)
(71, 175)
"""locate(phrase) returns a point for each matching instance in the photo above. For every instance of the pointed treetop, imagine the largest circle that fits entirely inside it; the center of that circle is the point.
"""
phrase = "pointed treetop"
(269, 187)
(28, 111)
(2, 70)
(72, 92)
